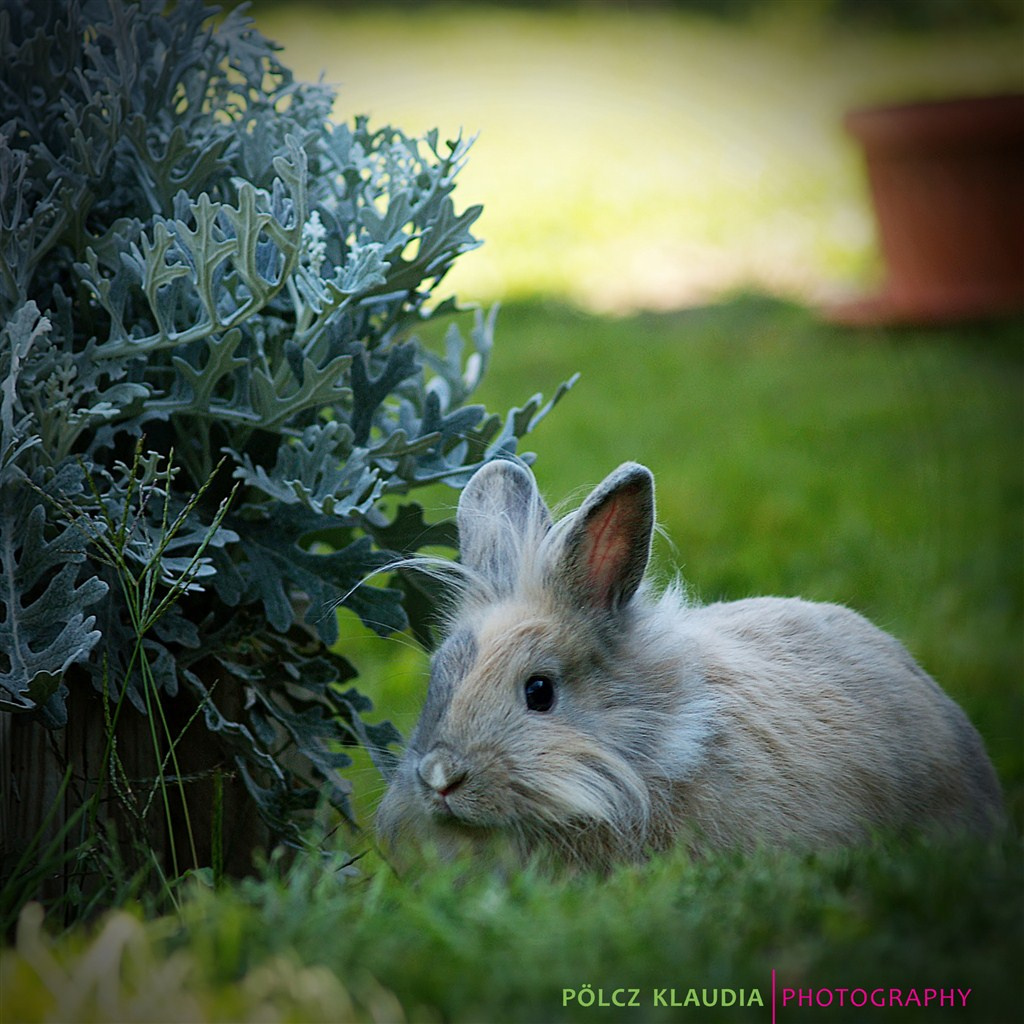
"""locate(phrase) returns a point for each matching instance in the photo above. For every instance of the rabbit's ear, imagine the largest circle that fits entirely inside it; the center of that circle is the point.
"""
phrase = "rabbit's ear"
(500, 509)
(608, 545)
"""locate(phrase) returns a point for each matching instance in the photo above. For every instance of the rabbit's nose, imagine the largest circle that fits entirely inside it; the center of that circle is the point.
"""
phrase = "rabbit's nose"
(441, 771)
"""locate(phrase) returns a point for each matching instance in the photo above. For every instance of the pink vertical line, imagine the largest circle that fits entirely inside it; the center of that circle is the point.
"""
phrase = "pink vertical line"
(773, 996)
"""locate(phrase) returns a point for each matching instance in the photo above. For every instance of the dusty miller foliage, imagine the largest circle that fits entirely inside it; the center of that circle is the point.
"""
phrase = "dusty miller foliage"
(211, 388)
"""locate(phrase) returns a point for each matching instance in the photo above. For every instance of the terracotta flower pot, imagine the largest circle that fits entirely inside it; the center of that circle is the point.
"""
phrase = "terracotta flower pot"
(947, 182)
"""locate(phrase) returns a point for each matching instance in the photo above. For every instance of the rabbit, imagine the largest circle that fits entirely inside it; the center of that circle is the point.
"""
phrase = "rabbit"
(574, 716)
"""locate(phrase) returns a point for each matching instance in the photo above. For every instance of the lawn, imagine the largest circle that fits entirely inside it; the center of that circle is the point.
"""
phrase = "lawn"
(878, 468)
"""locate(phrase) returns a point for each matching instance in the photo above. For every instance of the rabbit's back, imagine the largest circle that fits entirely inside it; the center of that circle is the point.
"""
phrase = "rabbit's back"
(825, 728)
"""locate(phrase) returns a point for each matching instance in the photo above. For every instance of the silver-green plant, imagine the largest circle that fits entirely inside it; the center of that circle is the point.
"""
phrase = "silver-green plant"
(194, 260)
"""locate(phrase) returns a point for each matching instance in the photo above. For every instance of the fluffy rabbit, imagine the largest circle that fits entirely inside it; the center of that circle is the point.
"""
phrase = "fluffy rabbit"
(574, 716)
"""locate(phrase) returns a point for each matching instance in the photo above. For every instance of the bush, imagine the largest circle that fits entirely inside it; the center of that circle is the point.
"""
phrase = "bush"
(212, 407)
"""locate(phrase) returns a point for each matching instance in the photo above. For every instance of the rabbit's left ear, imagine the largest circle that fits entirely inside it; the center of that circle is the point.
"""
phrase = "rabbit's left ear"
(608, 545)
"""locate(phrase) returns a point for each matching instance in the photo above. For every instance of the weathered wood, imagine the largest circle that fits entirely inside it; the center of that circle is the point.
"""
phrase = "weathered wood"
(5, 772)
(132, 813)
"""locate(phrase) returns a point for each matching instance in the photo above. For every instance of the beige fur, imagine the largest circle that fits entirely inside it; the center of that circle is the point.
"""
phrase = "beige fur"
(761, 721)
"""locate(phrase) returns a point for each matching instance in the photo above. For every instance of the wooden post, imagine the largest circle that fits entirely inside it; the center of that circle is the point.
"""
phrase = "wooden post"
(33, 763)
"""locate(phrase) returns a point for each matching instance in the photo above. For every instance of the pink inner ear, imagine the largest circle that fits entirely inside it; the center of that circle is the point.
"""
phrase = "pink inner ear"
(608, 550)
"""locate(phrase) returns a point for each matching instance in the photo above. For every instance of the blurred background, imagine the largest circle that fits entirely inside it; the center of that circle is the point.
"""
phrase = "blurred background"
(644, 154)
(670, 200)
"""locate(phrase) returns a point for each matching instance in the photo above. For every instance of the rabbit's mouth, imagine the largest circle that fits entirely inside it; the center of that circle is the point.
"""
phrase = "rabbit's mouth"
(459, 810)
(440, 806)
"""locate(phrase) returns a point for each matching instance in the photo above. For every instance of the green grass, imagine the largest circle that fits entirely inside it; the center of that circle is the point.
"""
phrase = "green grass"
(304, 945)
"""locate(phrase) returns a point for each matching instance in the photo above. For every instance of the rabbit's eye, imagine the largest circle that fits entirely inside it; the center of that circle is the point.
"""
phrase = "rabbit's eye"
(540, 693)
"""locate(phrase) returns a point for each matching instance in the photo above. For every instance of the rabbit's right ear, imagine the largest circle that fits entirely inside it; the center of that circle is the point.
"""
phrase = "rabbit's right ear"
(608, 541)
(500, 509)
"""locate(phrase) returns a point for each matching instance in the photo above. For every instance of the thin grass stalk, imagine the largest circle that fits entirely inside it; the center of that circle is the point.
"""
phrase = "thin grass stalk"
(140, 594)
